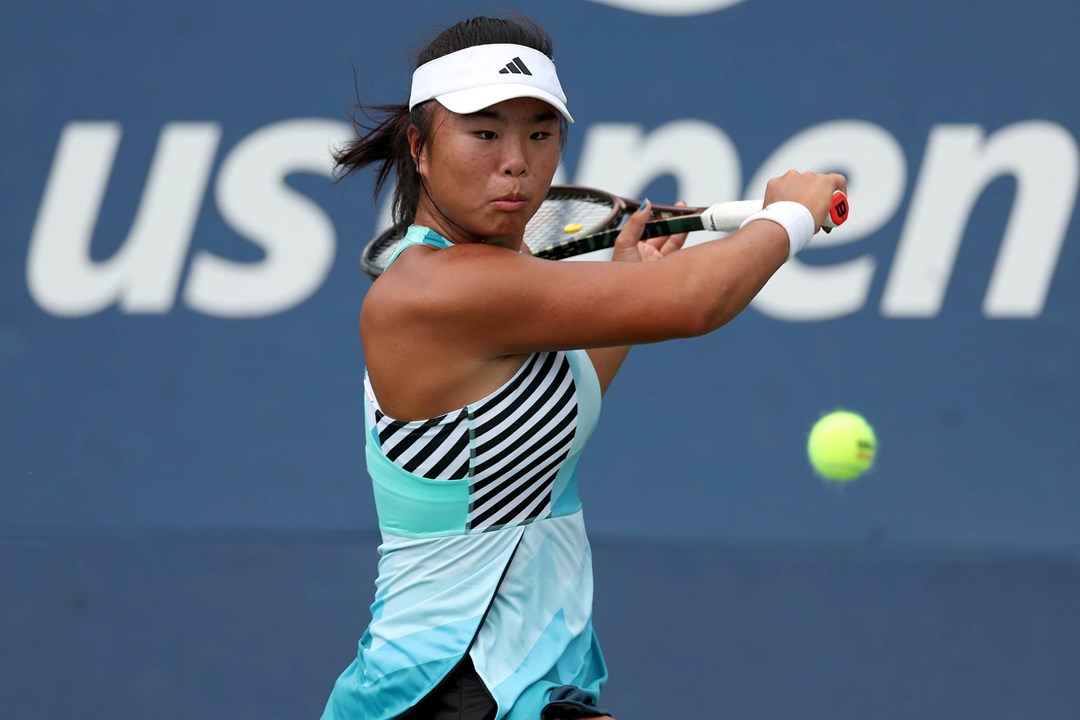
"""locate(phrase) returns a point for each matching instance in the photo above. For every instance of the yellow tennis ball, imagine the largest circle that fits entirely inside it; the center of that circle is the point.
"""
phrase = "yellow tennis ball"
(841, 446)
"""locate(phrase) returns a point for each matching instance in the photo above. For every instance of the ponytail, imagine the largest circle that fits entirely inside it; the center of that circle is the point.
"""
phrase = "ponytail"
(382, 140)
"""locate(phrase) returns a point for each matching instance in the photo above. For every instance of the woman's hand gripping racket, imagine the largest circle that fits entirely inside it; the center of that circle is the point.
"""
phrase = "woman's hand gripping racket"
(577, 220)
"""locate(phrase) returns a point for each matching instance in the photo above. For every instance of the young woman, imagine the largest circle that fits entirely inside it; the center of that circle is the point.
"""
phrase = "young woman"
(485, 368)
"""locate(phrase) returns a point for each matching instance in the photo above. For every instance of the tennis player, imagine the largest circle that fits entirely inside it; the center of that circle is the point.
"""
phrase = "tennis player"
(485, 369)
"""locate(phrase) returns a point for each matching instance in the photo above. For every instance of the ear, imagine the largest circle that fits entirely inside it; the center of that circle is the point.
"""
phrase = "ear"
(414, 147)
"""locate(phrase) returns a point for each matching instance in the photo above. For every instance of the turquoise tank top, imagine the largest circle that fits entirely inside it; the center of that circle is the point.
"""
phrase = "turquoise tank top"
(484, 550)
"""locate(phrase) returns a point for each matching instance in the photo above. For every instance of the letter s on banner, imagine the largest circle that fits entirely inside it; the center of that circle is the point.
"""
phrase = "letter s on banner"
(296, 235)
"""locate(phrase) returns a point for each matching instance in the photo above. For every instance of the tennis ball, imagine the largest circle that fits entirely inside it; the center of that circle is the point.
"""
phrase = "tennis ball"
(841, 446)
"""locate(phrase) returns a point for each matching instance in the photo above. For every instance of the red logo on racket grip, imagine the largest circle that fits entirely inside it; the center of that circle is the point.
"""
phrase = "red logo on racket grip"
(838, 212)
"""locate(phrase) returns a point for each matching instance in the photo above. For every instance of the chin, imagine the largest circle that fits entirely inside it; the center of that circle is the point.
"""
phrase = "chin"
(506, 227)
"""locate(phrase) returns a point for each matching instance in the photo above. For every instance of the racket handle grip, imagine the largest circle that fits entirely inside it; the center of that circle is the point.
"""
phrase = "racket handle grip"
(838, 210)
(728, 216)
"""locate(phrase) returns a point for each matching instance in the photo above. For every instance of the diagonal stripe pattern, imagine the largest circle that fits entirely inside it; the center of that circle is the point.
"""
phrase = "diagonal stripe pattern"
(523, 434)
(510, 445)
(437, 449)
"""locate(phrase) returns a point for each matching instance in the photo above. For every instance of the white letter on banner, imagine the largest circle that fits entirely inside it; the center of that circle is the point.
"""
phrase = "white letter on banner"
(620, 158)
(142, 276)
(296, 235)
(873, 162)
(960, 162)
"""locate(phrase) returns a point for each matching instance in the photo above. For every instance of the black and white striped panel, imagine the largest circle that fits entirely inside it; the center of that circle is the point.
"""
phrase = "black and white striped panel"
(437, 449)
(523, 435)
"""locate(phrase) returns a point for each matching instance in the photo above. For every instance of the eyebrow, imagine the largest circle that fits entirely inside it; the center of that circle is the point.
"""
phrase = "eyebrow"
(545, 116)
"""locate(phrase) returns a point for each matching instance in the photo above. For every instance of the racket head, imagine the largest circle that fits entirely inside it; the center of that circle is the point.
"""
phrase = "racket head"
(377, 252)
(565, 207)
(572, 211)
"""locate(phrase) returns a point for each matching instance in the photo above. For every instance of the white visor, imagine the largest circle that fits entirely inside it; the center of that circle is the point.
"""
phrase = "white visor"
(478, 77)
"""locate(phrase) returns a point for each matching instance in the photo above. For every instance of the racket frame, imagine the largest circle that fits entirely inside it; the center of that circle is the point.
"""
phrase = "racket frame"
(668, 220)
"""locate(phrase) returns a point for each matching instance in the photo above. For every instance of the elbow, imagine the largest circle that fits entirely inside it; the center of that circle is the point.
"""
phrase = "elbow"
(704, 316)
(699, 303)
(699, 321)
(715, 309)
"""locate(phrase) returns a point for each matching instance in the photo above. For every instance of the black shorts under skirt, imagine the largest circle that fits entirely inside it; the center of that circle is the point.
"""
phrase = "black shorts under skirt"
(462, 696)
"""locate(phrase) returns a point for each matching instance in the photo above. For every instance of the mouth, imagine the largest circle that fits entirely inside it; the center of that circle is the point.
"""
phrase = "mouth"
(510, 202)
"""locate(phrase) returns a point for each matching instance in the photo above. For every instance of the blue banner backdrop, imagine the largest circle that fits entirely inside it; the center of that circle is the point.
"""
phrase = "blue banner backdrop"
(178, 338)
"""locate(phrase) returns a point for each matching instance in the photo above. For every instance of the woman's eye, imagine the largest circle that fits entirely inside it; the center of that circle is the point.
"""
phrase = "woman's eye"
(541, 135)
(486, 134)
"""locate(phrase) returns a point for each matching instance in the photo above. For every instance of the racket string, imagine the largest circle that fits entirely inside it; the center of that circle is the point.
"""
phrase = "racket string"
(563, 218)
(568, 213)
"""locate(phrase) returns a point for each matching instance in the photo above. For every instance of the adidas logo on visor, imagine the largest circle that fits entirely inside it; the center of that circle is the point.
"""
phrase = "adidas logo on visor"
(515, 66)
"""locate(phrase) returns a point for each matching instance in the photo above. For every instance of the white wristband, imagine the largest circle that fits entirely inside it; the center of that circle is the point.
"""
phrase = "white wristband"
(794, 217)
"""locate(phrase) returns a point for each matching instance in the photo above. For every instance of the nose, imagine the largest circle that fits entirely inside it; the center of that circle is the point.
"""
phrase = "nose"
(514, 162)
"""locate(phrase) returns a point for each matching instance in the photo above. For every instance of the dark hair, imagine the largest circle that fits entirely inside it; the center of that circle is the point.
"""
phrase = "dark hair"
(386, 144)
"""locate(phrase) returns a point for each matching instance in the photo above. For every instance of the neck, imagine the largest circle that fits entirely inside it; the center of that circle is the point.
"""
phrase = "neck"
(429, 215)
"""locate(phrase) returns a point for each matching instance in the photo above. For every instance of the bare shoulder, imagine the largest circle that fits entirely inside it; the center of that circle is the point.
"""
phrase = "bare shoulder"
(423, 285)
(420, 341)
(457, 290)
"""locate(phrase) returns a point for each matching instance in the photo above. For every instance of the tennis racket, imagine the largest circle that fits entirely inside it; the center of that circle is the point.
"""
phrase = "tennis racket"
(576, 220)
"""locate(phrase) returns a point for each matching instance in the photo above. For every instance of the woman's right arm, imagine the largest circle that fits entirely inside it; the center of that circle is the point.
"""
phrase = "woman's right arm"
(489, 302)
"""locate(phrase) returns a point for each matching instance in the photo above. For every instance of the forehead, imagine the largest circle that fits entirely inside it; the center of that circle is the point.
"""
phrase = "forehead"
(517, 110)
